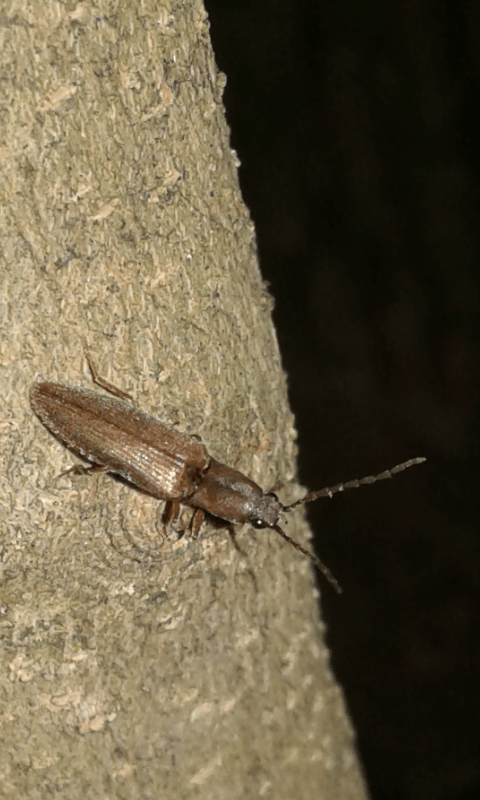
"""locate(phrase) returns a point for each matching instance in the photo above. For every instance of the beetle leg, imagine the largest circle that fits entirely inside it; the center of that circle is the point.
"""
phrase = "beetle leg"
(109, 387)
(79, 469)
(196, 522)
(233, 537)
(170, 514)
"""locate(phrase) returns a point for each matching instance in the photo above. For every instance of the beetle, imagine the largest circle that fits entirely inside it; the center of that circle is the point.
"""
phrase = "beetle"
(115, 436)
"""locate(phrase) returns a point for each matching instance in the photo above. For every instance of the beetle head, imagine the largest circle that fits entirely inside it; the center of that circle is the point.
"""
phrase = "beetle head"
(265, 513)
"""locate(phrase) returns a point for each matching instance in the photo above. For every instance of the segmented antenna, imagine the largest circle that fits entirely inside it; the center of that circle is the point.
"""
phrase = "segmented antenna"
(329, 491)
(321, 566)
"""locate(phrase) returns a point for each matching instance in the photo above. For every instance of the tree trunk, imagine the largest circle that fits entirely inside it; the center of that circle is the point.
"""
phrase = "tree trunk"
(134, 669)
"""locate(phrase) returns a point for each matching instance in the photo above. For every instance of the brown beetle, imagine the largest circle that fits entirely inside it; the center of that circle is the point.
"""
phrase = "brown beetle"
(116, 437)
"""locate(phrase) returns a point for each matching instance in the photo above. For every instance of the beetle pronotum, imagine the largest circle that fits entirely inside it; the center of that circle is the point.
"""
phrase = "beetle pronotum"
(116, 437)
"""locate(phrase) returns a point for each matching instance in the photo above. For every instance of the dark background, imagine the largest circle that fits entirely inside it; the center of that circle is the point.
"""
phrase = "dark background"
(358, 130)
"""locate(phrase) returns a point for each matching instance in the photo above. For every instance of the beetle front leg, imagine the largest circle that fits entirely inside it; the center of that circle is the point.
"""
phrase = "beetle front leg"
(233, 537)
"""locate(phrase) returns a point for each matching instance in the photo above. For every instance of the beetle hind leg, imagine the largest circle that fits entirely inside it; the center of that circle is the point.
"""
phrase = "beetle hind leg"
(109, 387)
(79, 469)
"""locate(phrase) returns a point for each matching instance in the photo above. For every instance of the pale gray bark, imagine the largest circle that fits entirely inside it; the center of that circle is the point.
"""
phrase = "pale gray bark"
(172, 675)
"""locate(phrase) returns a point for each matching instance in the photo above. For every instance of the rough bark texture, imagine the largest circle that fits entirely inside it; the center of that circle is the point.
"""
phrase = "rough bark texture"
(171, 675)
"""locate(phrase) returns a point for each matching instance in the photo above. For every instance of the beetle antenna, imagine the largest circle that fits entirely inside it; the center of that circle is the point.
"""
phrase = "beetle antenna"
(329, 491)
(312, 558)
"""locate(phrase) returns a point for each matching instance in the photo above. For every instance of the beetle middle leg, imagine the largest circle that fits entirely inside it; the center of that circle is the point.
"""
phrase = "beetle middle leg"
(169, 515)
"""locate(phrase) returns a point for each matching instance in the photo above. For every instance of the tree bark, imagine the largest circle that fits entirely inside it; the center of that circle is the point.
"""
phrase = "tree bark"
(132, 669)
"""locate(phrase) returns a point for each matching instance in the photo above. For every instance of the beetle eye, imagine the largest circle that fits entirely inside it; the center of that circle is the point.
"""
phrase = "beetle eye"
(257, 523)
